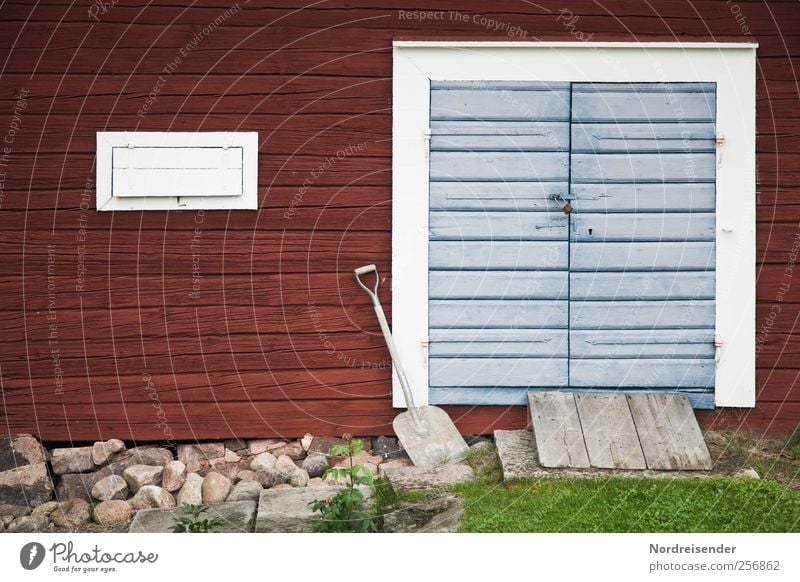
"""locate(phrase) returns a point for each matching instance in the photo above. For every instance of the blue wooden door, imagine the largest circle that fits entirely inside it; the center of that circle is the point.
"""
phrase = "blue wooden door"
(619, 294)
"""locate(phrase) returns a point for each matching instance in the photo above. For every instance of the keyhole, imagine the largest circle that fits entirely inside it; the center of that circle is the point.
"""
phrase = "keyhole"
(590, 232)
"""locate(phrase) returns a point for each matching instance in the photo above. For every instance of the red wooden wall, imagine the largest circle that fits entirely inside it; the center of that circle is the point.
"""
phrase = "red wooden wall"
(279, 341)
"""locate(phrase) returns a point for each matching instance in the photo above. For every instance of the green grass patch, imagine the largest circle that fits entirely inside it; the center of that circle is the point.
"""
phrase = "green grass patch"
(630, 505)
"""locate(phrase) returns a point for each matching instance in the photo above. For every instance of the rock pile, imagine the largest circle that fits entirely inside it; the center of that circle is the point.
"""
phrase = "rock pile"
(106, 483)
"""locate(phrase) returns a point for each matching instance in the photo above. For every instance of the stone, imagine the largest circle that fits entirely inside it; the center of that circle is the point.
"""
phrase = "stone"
(315, 482)
(323, 444)
(72, 460)
(102, 451)
(259, 446)
(229, 457)
(263, 461)
(174, 476)
(292, 450)
(428, 477)
(191, 492)
(45, 508)
(27, 485)
(245, 491)
(747, 473)
(362, 458)
(113, 512)
(288, 511)
(517, 452)
(72, 513)
(305, 442)
(151, 496)
(237, 517)
(192, 453)
(111, 487)
(28, 524)
(9, 512)
(139, 456)
(282, 486)
(285, 465)
(394, 463)
(315, 464)
(474, 439)
(387, 448)
(215, 488)
(430, 515)
(246, 475)
(235, 445)
(137, 476)
(270, 478)
(298, 478)
(19, 450)
(79, 485)
(481, 445)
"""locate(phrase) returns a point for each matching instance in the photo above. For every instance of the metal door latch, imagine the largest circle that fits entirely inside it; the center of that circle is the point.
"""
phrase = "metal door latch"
(566, 207)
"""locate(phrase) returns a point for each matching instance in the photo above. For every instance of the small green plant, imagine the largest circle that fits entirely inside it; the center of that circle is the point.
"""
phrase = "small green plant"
(190, 521)
(345, 511)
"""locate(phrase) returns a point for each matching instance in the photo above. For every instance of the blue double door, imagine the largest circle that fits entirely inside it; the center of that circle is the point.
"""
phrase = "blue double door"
(617, 294)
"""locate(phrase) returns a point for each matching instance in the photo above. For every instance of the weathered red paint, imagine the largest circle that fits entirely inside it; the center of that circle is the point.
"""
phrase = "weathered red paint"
(278, 341)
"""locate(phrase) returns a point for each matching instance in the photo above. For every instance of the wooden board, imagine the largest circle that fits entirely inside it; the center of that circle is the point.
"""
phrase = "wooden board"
(669, 433)
(609, 432)
(557, 428)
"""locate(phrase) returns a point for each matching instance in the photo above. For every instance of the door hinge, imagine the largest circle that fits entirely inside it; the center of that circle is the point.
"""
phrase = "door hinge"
(718, 343)
(720, 141)
(425, 343)
(426, 135)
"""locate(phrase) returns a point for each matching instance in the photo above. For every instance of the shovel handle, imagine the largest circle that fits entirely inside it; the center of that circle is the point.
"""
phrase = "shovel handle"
(373, 293)
(387, 334)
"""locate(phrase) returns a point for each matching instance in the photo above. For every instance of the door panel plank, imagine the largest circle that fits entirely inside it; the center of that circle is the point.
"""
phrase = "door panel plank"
(504, 343)
(499, 255)
(669, 344)
(642, 286)
(530, 196)
(498, 284)
(667, 197)
(695, 226)
(646, 256)
(641, 373)
(622, 315)
(491, 226)
(522, 372)
(499, 166)
(487, 313)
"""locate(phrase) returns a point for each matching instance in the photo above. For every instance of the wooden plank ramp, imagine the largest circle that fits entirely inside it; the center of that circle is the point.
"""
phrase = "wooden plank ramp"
(617, 431)
(559, 437)
(668, 432)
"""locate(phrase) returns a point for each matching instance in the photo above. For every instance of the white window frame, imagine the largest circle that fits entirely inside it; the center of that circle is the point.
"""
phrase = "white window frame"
(107, 141)
(732, 66)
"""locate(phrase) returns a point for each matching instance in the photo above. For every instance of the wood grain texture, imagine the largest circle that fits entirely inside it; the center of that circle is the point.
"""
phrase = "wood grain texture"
(669, 433)
(608, 431)
(557, 428)
(312, 82)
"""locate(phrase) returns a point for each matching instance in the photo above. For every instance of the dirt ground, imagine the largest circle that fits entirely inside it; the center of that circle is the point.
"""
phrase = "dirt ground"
(774, 459)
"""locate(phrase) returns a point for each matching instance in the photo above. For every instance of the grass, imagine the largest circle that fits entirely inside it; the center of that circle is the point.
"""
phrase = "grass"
(630, 505)
(614, 504)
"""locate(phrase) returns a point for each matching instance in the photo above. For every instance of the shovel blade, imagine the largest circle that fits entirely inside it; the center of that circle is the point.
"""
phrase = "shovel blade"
(434, 441)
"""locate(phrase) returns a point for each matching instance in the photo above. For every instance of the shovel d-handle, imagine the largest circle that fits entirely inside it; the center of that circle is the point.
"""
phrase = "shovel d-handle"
(387, 335)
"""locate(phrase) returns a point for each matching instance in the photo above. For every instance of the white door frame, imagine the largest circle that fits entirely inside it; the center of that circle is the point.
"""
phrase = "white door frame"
(730, 65)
